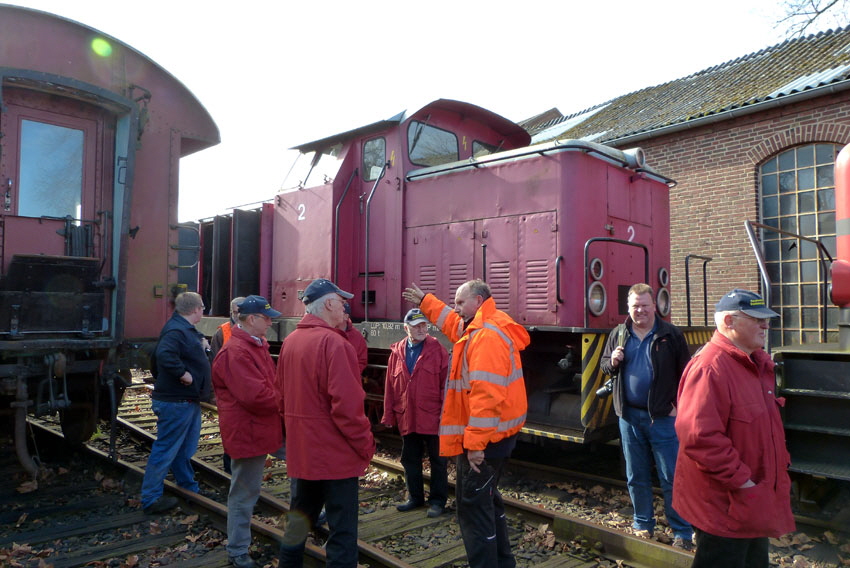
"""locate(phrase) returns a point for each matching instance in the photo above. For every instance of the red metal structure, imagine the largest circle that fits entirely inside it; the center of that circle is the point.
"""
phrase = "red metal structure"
(92, 135)
(452, 192)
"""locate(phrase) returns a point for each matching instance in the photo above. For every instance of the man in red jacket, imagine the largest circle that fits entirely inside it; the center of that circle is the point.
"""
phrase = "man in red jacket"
(413, 397)
(731, 478)
(249, 418)
(328, 437)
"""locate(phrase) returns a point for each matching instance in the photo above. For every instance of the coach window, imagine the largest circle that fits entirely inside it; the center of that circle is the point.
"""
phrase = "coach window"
(798, 196)
(51, 170)
(430, 146)
(374, 158)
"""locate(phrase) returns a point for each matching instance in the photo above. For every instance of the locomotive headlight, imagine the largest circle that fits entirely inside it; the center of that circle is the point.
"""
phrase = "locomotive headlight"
(662, 302)
(663, 277)
(597, 299)
(596, 268)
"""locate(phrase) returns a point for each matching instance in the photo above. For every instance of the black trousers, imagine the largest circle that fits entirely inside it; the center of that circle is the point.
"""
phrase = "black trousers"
(713, 551)
(481, 515)
(412, 453)
(340, 499)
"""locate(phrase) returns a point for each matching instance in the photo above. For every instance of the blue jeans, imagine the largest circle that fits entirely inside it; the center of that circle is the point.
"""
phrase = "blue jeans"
(643, 440)
(178, 427)
(340, 499)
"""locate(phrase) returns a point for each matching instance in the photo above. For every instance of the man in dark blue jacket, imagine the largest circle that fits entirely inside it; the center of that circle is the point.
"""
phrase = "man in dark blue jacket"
(647, 356)
(182, 381)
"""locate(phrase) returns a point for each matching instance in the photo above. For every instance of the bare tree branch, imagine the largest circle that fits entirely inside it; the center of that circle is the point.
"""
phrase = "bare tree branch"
(801, 16)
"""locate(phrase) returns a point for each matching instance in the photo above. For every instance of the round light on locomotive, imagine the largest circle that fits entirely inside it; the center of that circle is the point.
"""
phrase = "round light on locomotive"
(596, 268)
(663, 277)
(597, 299)
(662, 302)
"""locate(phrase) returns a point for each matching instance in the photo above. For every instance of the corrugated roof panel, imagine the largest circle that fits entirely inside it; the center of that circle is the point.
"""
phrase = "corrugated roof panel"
(553, 132)
(810, 81)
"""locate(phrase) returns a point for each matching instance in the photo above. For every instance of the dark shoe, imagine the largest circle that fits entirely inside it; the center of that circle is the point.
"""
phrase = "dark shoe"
(683, 543)
(435, 510)
(161, 505)
(409, 506)
(242, 561)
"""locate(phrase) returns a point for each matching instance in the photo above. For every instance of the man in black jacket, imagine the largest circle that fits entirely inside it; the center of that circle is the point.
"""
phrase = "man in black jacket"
(647, 355)
(182, 381)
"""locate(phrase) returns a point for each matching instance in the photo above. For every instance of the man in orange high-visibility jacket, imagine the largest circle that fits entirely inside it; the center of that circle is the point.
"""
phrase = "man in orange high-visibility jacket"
(483, 412)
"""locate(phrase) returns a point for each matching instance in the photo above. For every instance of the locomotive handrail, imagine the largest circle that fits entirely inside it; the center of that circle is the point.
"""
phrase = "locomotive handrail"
(632, 158)
(368, 214)
(615, 241)
(558, 262)
(705, 261)
(336, 223)
(822, 266)
(484, 261)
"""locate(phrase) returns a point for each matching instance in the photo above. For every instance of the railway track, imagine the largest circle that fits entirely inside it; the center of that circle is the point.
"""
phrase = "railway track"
(541, 536)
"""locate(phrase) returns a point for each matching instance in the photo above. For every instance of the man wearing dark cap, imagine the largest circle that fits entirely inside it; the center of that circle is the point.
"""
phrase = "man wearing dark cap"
(413, 398)
(329, 439)
(731, 479)
(249, 417)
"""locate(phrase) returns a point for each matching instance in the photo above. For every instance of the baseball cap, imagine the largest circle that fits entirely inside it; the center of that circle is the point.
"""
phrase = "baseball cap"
(321, 287)
(744, 301)
(415, 317)
(257, 305)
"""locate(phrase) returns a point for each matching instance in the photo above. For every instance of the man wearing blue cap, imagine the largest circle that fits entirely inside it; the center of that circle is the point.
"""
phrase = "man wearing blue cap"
(329, 439)
(249, 417)
(731, 478)
(413, 398)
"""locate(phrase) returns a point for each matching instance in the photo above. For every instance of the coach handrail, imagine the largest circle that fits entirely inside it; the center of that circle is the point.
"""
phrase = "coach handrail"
(368, 215)
(822, 266)
(615, 241)
(705, 260)
(336, 224)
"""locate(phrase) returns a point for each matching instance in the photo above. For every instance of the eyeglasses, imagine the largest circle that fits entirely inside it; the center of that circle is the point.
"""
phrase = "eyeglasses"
(759, 321)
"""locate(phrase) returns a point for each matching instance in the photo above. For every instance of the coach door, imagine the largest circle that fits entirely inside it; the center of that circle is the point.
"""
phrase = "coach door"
(54, 220)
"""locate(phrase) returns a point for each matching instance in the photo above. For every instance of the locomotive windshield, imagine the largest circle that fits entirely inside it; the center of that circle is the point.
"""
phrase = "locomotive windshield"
(431, 146)
(323, 165)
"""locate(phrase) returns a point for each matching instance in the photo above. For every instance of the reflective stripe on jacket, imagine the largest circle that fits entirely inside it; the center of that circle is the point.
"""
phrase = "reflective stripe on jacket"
(485, 394)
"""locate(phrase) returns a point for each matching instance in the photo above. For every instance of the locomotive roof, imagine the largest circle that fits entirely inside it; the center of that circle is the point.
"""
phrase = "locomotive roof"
(510, 130)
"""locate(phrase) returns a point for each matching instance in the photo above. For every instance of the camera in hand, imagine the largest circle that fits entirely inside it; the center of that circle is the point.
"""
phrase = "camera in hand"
(606, 389)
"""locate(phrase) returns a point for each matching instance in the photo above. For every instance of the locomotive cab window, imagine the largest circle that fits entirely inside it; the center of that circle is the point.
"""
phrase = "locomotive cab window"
(482, 149)
(374, 158)
(431, 146)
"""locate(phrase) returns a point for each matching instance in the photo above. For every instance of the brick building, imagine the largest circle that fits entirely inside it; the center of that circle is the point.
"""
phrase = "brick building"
(751, 139)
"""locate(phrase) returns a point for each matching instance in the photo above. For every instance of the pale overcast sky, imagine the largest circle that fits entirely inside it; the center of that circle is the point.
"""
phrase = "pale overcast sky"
(279, 73)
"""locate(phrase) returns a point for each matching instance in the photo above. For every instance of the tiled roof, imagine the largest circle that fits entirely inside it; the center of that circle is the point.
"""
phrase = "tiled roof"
(783, 70)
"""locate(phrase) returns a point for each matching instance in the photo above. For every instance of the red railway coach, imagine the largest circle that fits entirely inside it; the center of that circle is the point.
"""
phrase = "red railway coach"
(451, 192)
(92, 135)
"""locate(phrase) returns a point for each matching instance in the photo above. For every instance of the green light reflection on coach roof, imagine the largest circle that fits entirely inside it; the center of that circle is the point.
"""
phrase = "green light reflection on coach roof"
(101, 47)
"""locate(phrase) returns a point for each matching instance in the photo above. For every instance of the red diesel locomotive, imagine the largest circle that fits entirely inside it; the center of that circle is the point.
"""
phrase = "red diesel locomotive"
(448, 193)
(92, 135)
